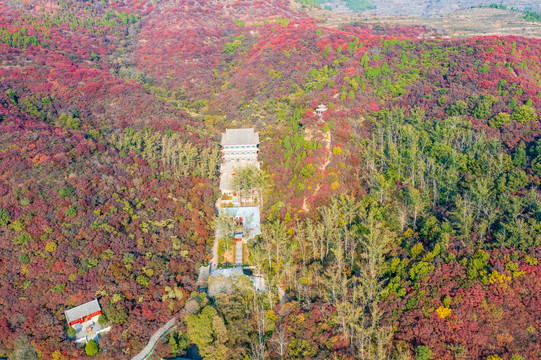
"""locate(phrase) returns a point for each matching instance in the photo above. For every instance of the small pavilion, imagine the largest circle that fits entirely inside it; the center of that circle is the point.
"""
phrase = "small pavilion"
(321, 109)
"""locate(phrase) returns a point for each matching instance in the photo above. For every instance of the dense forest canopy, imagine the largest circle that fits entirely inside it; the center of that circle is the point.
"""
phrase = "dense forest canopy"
(404, 223)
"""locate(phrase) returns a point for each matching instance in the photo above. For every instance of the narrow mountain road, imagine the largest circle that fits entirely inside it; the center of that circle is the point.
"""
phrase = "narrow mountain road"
(154, 339)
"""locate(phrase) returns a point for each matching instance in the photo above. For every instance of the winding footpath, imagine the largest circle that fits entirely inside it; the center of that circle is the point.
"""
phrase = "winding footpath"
(154, 339)
(322, 168)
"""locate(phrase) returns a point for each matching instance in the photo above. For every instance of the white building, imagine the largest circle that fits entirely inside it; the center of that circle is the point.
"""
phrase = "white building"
(240, 146)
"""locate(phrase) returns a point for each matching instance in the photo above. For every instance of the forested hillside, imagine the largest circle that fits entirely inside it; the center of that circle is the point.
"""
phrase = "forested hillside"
(403, 224)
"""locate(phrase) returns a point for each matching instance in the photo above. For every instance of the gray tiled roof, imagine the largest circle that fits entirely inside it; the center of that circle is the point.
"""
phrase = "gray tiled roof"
(240, 137)
(82, 310)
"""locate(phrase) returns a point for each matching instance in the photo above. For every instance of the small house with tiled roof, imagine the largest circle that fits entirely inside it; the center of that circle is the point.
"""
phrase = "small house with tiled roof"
(84, 320)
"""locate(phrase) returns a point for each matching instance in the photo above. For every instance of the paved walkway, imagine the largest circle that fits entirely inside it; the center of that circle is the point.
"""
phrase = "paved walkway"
(238, 253)
(214, 262)
(154, 339)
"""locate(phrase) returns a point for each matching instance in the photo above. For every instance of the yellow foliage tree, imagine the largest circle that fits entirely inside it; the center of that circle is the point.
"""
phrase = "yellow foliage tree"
(50, 247)
(443, 312)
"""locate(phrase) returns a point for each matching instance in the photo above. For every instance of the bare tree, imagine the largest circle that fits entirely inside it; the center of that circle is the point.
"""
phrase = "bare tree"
(359, 312)
(280, 340)
(225, 227)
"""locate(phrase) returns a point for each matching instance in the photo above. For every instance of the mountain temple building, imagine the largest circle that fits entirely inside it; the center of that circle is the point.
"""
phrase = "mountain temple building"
(84, 320)
(240, 147)
(83, 313)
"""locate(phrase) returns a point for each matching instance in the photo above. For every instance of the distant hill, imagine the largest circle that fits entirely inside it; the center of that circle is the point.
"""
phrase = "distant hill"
(438, 7)
(415, 7)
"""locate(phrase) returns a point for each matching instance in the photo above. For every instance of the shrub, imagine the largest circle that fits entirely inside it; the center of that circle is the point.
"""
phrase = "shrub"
(442, 100)
(458, 108)
(66, 192)
(484, 69)
(5, 217)
(117, 314)
(50, 247)
(417, 250)
(423, 353)
(142, 280)
(443, 312)
(69, 121)
(24, 258)
(71, 211)
(22, 239)
(482, 109)
(17, 225)
(12, 96)
(71, 332)
(524, 114)
(497, 121)
(230, 48)
(91, 348)
(59, 288)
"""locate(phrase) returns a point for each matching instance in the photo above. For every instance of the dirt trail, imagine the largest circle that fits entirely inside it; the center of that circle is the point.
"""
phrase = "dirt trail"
(323, 166)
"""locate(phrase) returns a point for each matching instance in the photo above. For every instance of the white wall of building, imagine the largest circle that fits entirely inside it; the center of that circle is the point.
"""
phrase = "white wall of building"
(240, 153)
